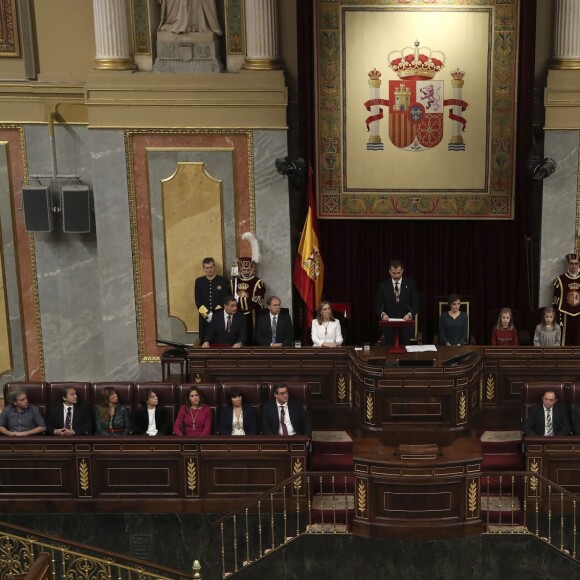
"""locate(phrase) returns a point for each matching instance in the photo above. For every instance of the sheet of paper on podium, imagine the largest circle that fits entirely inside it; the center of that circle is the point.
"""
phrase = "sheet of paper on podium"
(421, 348)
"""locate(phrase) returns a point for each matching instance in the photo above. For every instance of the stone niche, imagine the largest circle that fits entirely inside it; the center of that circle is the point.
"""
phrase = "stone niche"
(192, 52)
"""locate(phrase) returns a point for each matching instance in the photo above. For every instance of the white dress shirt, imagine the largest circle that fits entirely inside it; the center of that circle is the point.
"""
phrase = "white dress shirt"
(287, 421)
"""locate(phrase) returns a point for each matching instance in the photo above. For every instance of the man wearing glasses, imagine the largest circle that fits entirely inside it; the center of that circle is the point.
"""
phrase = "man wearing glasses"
(19, 418)
(284, 417)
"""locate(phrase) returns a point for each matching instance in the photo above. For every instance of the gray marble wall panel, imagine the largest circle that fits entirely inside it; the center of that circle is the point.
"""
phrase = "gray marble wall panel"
(559, 209)
(273, 215)
(115, 265)
(10, 272)
(67, 269)
(85, 281)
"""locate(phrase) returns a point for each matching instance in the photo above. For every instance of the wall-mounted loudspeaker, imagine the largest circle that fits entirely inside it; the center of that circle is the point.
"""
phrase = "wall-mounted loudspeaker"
(36, 204)
(76, 209)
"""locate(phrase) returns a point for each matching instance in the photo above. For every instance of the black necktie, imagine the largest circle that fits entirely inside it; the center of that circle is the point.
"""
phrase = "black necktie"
(229, 324)
(397, 293)
(68, 419)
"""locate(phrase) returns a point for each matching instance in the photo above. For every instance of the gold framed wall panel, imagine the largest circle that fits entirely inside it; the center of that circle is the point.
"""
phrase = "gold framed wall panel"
(416, 108)
(138, 143)
(25, 254)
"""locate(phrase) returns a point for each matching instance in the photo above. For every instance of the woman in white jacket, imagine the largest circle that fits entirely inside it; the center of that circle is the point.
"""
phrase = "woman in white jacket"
(326, 329)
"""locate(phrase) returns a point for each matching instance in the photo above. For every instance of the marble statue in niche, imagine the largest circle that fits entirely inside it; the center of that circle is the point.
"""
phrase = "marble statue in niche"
(187, 38)
(179, 16)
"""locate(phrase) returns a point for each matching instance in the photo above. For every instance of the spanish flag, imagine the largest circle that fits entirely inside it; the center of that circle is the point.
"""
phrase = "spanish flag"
(308, 266)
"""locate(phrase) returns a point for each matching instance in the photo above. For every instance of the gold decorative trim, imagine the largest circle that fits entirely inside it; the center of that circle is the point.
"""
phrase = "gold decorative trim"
(490, 388)
(341, 388)
(565, 63)
(534, 467)
(472, 498)
(361, 498)
(191, 477)
(114, 64)
(350, 391)
(462, 407)
(262, 64)
(84, 477)
(297, 469)
(370, 408)
(33, 267)
(235, 27)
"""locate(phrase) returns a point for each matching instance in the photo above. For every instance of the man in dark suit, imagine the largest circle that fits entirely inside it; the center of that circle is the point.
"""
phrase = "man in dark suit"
(274, 329)
(397, 297)
(70, 418)
(228, 326)
(283, 417)
(549, 418)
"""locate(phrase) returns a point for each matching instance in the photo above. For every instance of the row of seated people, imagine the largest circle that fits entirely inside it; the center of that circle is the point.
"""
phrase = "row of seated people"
(152, 408)
(275, 329)
(551, 408)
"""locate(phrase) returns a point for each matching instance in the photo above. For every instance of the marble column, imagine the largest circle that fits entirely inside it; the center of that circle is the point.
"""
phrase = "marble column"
(112, 35)
(261, 35)
(566, 35)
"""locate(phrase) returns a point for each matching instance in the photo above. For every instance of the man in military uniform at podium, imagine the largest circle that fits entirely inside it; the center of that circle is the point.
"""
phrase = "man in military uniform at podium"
(567, 300)
(247, 288)
(210, 293)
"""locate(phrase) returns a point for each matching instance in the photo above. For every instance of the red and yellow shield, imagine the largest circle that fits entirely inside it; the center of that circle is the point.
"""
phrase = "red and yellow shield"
(416, 113)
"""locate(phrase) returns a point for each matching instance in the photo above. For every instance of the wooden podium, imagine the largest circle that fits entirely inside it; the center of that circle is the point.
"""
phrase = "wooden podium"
(397, 325)
(426, 496)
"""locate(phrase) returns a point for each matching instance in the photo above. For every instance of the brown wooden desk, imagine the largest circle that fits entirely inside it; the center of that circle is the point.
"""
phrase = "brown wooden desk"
(140, 473)
(368, 392)
(420, 498)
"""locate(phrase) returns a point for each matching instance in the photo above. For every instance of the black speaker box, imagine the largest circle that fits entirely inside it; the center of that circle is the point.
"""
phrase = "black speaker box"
(76, 209)
(36, 204)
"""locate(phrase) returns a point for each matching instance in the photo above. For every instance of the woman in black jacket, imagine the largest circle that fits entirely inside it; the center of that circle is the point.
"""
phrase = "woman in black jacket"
(150, 418)
(237, 418)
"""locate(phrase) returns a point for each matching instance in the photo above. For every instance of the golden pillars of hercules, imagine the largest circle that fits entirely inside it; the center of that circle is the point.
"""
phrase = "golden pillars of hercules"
(192, 223)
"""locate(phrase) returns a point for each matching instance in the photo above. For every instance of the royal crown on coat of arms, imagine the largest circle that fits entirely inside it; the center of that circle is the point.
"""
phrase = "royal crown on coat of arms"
(418, 63)
(416, 102)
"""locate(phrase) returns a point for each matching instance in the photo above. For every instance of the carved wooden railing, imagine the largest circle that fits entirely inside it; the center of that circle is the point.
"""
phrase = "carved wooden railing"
(20, 549)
